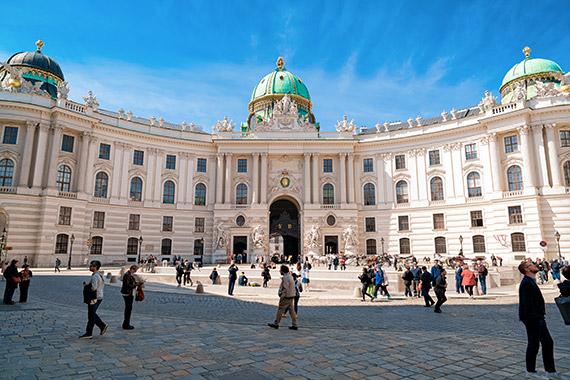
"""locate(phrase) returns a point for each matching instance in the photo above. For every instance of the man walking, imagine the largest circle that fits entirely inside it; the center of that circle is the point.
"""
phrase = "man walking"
(426, 286)
(482, 272)
(97, 284)
(435, 271)
(531, 312)
(57, 264)
(381, 282)
(127, 290)
(417, 272)
(233, 269)
(439, 289)
(286, 299)
(187, 272)
(179, 272)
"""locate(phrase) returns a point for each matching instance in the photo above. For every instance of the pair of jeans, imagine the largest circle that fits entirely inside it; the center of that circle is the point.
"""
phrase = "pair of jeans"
(537, 334)
(128, 310)
(187, 279)
(383, 290)
(9, 291)
(365, 292)
(416, 284)
(408, 291)
(231, 286)
(93, 319)
(483, 282)
(427, 298)
(441, 298)
(179, 279)
(458, 287)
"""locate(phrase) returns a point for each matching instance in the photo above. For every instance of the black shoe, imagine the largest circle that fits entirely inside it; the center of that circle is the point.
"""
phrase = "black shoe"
(273, 326)
(437, 311)
(293, 328)
(86, 336)
(104, 330)
(9, 303)
(128, 327)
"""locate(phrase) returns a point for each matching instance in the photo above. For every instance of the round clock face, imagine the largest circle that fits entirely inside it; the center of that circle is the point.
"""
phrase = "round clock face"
(285, 182)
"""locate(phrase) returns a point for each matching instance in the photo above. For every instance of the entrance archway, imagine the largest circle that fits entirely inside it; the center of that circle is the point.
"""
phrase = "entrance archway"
(284, 222)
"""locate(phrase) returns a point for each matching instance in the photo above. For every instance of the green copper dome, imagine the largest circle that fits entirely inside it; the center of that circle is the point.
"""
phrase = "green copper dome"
(280, 82)
(530, 66)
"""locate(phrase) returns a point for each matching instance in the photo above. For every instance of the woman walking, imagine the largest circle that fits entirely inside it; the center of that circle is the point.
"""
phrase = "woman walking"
(468, 280)
(305, 276)
(25, 276)
(366, 281)
(266, 275)
(12, 280)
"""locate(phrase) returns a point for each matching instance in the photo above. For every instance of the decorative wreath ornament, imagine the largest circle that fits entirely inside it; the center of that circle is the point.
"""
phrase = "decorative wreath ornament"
(285, 182)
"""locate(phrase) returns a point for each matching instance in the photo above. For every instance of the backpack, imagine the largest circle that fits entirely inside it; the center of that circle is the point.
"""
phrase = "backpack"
(485, 272)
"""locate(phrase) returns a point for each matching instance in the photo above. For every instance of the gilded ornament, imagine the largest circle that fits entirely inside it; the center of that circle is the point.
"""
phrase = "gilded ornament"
(40, 44)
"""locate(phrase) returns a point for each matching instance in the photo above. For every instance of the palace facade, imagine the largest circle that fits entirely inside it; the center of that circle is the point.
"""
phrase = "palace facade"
(80, 181)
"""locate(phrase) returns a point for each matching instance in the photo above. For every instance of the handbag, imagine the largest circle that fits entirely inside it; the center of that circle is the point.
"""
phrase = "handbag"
(140, 294)
(563, 304)
(17, 279)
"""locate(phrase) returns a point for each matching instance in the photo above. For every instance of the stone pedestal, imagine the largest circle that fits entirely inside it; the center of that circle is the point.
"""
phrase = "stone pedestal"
(220, 256)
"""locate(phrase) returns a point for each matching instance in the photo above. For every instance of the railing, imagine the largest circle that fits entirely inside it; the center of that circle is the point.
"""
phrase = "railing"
(100, 200)
(74, 106)
(67, 194)
(135, 203)
(505, 108)
(8, 189)
(510, 194)
(240, 206)
(168, 205)
(329, 206)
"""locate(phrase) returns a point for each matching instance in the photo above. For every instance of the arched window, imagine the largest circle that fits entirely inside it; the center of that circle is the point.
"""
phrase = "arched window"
(64, 178)
(200, 195)
(436, 186)
(241, 194)
(567, 173)
(474, 184)
(440, 246)
(136, 189)
(328, 194)
(61, 244)
(97, 245)
(6, 172)
(514, 175)
(369, 194)
(133, 246)
(479, 244)
(101, 184)
(405, 248)
(402, 192)
(166, 247)
(371, 246)
(517, 242)
(168, 192)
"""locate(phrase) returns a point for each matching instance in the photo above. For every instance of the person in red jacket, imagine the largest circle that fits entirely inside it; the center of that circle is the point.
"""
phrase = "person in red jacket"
(468, 280)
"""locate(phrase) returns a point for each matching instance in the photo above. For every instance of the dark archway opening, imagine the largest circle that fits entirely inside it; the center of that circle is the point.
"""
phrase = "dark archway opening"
(331, 245)
(240, 248)
(284, 222)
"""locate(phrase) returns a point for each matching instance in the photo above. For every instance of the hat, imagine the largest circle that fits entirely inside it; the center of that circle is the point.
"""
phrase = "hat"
(379, 265)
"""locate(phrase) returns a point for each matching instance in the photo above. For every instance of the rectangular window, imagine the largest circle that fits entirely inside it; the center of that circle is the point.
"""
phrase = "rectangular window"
(470, 151)
(438, 222)
(370, 224)
(515, 215)
(138, 157)
(477, 218)
(201, 167)
(134, 222)
(104, 151)
(434, 157)
(564, 139)
(199, 224)
(511, 144)
(67, 143)
(327, 165)
(167, 223)
(98, 219)
(170, 161)
(64, 216)
(401, 161)
(403, 223)
(368, 165)
(242, 165)
(10, 135)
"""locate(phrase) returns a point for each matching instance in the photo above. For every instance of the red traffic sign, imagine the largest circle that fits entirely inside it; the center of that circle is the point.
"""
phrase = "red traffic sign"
(543, 243)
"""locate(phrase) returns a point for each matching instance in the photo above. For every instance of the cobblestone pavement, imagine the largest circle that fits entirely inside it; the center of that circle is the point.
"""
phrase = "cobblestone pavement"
(185, 336)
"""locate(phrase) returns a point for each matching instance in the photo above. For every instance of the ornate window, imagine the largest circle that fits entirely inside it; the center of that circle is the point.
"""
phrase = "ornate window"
(331, 220)
(370, 224)
(134, 222)
(369, 194)
(64, 216)
(168, 193)
(327, 165)
(517, 242)
(434, 158)
(170, 161)
(368, 165)
(138, 157)
(101, 184)
(199, 224)
(514, 175)
(566, 173)
(515, 215)
(67, 143)
(440, 245)
(241, 194)
(6, 172)
(63, 178)
(61, 244)
(201, 165)
(240, 220)
(132, 246)
(438, 222)
(564, 138)
(436, 186)
(200, 195)
(166, 247)
(470, 152)
(104, 151)
(402, 192)
(479, 244)
(97, 245)
(328, 194)
(10, 135)
(400, 161)
(242, 165)
(474, 184)
(371, 246)
(167, 222)
(511, 144)
(136, 189)
(477, 218)
(403, 223)
(405, 248)
(98, 219)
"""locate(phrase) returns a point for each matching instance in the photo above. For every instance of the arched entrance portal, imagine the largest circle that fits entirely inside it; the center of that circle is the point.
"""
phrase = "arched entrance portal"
(284, 229)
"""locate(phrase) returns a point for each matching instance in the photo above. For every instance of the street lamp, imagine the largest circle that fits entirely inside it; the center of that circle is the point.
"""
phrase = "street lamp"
(461, 242)
(2, 242)
(140, 248)
(71, 240)
(382, 241)
(557, 237)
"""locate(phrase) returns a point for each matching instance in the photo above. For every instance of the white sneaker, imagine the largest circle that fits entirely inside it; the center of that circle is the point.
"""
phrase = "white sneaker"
(535, 375)
(555, 375)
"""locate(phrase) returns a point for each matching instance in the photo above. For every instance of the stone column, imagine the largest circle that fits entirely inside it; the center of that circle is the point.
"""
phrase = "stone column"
(219, 177)
(40, 156)
(351, 178)
(255, 174)
(316, 178)
(381, 185)
(150, 174)
(54, 155)
(486, 161)
(342, 182)
(228, 186)
(553, 156)
(125, 190)
(190, 177)
(389, 178)
(540, 151)
(88, 170)
(27, 155)
(423, 192)
(213, 184)
(181, 169)
(263, 192)
(159, 165)
(457, 155)
(448, 167)
(527, 155)
(82, 163)
(411, 164)
(117, 170)
(498, 182)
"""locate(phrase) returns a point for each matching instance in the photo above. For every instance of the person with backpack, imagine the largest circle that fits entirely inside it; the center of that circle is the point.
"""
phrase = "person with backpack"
(214, 276)
(439, 289)
(366, 281)
(435, 271)
(187, 272)
(93, 296)
(417, 272)
(482, 272)
(57, 264)
(233, 269)
(408, 277)
(381, 282)
(180, 268)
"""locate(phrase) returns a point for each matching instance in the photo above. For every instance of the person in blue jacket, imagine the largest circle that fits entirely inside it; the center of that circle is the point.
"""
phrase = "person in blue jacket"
(458, 278)
(381, 281)
(417, 272)
(435, 271)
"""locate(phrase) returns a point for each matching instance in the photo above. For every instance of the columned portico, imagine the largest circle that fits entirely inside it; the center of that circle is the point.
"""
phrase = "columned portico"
(553, 155)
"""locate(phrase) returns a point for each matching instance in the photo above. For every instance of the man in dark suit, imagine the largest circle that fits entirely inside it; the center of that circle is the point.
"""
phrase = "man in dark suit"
(531, 313)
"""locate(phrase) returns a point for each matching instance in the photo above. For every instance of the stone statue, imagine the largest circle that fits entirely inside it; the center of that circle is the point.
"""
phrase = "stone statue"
(192, 126)
(14, 80)
(313, 237)
(161, 122)
(378, 127)
(129, 115)
(519, 93)
(444, 115)
(91, 101)
(453, 114)
(152, 120)
(488, 102)
(62, 90)
(220, 236)
(563, 78)
(223, 126)
(285, 106)
(184, 125)
(350, 238)
(36, 88)
(121, 113)
(411, 122)
(345, 125)
(545, 90)
(258, 237)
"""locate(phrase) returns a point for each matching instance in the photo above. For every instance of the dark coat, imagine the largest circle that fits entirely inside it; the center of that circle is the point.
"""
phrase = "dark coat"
(365, 278)
(440, 283)
(408, 276)
(10, 272)
(564, 288)
(531, 302)
(233, 273)
(129, 284)
(426, 280)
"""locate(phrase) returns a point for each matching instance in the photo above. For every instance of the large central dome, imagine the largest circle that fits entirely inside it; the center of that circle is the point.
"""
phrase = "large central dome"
(273, 87)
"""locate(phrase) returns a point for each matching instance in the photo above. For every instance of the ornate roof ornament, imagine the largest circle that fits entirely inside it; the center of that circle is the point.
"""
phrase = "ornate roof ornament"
(40, 44)
(488, 102)
(286, 106)
(345, 125)
(223, 126)
(91, 101)
(527, 51)
(280, 63)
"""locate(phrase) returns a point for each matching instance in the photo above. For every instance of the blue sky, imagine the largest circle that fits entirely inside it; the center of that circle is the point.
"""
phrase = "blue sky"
(374, 61)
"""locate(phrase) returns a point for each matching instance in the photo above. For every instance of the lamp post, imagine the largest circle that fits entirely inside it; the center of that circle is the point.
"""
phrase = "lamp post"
(2, 243)
(557, 236)
(201, 251)
(71, 240)
(140, 249)
(382, 241)
(461, 242)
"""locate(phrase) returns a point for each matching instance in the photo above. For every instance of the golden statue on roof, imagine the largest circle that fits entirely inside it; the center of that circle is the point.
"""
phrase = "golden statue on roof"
(526, 51)
(40, 44)
(280, 63)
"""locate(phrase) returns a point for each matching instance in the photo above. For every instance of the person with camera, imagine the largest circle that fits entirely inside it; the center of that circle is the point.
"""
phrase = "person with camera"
(127, 291)
(93, 296)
